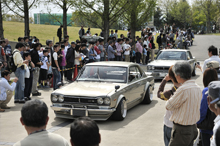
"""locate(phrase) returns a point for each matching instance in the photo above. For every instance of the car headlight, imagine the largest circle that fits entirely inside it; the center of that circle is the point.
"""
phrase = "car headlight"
(100, 101)
(149, 67)
(61, 98)
(152, 67)
(54, 98)
(107, 101)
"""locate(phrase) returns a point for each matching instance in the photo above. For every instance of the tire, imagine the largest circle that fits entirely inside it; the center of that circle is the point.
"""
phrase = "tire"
(147, 98)
(121, 111)
(194, 71)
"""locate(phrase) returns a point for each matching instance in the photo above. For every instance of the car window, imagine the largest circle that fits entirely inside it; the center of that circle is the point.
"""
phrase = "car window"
(103, 74)
(139, 73)
(171, 55)
(132, 74)
(188, 55)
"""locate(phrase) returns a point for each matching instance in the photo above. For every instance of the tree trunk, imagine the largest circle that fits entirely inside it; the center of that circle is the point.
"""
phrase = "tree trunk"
(133, 22)
(26, 18)
(1, 22)
(106, 20)
(64, 18)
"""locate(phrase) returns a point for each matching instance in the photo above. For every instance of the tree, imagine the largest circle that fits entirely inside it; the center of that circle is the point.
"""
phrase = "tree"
(23, 6)
(107, 10)
(1, 22)
(64, 5)
(139, 12)
(210, 9)
(182, 12)
(158, 18)
(199, 18)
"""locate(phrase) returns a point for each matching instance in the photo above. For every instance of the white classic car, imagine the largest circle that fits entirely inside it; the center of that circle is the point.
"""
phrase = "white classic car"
(102, 90)
(168, 57)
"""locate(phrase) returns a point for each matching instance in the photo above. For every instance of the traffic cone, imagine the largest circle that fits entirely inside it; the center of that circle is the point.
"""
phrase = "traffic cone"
(75, 73)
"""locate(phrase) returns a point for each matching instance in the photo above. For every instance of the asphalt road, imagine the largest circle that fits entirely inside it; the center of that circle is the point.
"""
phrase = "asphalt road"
(142, 126)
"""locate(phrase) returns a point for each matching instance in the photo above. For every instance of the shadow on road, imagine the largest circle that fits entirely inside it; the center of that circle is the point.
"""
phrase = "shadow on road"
(132, 114)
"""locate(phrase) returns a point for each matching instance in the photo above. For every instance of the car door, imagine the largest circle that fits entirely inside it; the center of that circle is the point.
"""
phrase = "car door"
(133, 83)
(141, 81)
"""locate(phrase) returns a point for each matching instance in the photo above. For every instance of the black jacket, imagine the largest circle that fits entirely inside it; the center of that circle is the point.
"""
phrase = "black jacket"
(59, 32)
(35, 57)
(70, 55)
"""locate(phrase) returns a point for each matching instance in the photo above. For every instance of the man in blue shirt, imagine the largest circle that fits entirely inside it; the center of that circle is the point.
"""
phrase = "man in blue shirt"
(92, 52)
(111, 51)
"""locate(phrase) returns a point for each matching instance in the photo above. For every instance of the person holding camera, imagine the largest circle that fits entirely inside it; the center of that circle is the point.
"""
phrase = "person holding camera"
(19, 73)
(6, 90)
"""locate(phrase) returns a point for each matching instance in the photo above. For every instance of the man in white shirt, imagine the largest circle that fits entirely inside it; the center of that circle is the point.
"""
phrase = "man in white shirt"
(66, 44)
(6, 90)
(127, 49)
(34, 118)
(214, 106)
(213, 56)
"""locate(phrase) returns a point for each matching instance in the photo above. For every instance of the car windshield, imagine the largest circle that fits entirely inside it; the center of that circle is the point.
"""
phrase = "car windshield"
(171, 55)
(104, 74)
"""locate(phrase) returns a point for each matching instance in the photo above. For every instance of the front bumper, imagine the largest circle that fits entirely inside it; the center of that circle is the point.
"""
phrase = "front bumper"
(71, 112)
(157, 75)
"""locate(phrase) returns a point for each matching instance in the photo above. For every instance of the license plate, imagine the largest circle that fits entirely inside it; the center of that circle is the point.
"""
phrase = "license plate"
(79, 113)
(163, 74)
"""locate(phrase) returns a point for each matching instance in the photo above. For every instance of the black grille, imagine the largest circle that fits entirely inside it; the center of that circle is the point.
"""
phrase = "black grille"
(80, 100)
(69, 99)
(162, 68)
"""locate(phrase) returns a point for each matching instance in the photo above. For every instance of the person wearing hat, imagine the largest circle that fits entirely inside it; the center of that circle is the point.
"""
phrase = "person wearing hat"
(70, 60)
(213, 56)
(211, 64)
(214, 106)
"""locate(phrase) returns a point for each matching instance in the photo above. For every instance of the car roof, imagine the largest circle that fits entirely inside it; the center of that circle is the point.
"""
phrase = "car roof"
(112, 63)
(180, 50)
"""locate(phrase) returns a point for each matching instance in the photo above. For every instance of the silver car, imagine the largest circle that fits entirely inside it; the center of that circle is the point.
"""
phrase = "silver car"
(166, 58)
(102, 90)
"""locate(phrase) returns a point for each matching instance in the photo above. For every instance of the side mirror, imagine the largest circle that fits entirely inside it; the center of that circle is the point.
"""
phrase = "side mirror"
(116, 87)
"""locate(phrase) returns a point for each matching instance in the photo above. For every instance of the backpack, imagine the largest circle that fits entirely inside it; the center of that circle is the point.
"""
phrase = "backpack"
(13, 67)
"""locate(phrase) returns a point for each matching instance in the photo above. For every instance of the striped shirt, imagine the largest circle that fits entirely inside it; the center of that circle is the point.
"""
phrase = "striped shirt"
(185, 104)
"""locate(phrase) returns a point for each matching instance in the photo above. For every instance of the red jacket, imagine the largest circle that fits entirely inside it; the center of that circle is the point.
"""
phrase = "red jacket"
(97, 50)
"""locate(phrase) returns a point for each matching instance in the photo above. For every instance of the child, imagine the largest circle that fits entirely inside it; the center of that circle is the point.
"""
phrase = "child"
(44, 68)
(28, 81)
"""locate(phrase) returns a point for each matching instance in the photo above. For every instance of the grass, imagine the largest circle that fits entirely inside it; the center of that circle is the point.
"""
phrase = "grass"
(13, 30)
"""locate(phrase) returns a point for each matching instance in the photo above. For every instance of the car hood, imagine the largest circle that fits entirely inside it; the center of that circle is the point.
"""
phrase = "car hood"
(164, 62)
(92, 89)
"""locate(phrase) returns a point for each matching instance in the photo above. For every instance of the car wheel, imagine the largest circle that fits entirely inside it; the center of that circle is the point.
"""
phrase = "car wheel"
(194, 71)
(148, 97)
(121, 111)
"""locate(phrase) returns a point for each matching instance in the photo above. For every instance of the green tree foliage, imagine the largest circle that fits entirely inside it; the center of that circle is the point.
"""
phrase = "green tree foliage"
(138, 14)
(108, 10)
(211, 9)
(158, 18)
(181, 11)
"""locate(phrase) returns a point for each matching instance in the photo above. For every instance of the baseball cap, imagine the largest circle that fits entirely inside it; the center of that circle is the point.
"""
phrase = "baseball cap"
(73, 43)
(212, 64)
(214, 91)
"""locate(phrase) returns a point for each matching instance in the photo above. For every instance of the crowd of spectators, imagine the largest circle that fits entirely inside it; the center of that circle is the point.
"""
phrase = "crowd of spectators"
(189, 108)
